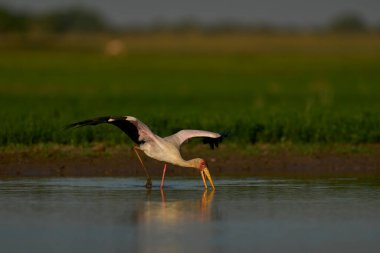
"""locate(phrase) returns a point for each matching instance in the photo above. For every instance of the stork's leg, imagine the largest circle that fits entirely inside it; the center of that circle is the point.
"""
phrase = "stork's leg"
(163, 197)
(148, 178)
(163, 177)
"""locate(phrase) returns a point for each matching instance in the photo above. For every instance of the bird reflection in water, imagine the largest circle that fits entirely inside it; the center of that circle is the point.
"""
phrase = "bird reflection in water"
(173, 212)
(167, 225)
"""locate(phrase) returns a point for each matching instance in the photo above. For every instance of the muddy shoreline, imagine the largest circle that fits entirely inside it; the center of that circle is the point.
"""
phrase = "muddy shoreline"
(99, 161)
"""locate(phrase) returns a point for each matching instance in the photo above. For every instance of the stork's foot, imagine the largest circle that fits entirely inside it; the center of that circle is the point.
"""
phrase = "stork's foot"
(148, 184)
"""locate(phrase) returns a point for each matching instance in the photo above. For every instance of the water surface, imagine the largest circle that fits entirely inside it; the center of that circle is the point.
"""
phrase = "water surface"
(242, 215)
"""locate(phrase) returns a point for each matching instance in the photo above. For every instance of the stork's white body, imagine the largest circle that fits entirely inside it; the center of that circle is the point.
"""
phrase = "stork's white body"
(167, 149)
(163, 150)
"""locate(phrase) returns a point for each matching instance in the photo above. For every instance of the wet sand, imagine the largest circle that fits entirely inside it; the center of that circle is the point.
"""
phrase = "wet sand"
(99, 161)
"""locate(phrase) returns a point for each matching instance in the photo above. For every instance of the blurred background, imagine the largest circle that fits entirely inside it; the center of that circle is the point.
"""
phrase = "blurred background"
(266, 71)
(94, 15)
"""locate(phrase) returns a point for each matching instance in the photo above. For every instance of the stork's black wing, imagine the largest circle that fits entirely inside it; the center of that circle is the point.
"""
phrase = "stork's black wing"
(135, 129)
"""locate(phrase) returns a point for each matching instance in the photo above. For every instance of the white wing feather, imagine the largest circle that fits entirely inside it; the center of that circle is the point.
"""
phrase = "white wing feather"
(183, 135)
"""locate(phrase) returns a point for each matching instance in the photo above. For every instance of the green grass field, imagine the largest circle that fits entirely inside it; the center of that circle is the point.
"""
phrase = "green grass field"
(268, 89)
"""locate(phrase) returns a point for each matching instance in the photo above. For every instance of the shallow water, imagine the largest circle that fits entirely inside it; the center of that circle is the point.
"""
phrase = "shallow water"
(242, 215)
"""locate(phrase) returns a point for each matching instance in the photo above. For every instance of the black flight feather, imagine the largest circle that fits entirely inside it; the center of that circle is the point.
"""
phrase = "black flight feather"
(126, 126)
(214, 142)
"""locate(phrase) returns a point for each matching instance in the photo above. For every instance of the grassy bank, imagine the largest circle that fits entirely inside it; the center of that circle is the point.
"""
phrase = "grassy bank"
(261, 88)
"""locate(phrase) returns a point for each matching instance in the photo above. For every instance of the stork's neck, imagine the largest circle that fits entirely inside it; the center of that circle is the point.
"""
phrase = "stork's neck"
(192, 163)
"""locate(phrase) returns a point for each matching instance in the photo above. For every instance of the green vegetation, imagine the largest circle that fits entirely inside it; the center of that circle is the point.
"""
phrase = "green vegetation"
(72, 19)
(262, 88)
(348, 22)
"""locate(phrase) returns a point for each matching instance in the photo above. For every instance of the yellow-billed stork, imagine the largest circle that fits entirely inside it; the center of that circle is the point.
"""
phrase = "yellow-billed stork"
(165, 149)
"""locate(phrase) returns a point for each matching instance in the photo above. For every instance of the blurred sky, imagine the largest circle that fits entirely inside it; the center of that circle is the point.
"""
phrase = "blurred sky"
(277, 12)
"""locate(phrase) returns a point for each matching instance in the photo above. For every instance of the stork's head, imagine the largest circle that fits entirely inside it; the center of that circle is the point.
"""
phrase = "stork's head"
(201, 165)
(198, 163)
